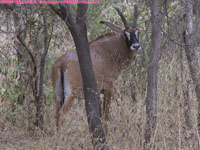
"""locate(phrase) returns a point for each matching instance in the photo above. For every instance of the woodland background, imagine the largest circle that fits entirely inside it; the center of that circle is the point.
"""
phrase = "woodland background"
(25, 80)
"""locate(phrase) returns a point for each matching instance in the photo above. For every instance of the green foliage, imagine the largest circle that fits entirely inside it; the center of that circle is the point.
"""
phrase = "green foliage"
(94, 18)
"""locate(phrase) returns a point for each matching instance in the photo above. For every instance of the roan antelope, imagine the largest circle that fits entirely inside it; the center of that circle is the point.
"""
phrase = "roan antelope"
(110, 53)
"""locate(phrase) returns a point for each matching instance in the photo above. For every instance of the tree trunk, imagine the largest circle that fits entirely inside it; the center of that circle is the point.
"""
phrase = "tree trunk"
(78, 30)
(19, 25)
(37, 76)
(187, 100)
(40, 99)
(151, 98)
(190, 41)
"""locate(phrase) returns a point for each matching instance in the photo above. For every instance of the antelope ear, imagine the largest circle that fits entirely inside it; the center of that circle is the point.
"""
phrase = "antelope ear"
(112, 26)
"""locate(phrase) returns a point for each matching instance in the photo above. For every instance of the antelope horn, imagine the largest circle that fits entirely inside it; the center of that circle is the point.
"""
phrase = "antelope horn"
(122, 17)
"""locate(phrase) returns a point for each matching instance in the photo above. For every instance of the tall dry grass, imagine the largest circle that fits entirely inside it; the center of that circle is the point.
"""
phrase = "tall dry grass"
(127, 117)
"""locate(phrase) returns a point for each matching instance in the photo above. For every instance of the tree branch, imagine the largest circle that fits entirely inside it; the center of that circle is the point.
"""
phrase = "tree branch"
(65, 14)
(135, 16)
(29, 52)
(81, 12)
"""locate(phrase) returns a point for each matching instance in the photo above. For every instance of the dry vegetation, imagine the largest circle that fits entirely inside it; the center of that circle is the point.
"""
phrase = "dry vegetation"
(127, 118)
(127, 114)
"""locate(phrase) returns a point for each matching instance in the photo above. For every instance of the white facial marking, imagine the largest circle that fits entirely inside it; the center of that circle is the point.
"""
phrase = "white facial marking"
(133, 48)
(128, 35)
(135, 45)
(67, 90)
(137, 34)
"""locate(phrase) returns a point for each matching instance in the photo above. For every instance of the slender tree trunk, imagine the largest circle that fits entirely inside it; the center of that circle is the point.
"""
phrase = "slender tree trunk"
(40, 98)
(20, 52)
(190, 40)
(187, 101)
(92, 102)
(78, 30)
(90, 91)
(151, 98)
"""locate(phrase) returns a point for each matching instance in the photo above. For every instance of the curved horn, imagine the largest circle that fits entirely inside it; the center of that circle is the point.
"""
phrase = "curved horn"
(122, 17)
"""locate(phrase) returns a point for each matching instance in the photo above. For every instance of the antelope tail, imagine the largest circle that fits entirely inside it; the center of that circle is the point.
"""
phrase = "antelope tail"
(58, 79)
(62, 88)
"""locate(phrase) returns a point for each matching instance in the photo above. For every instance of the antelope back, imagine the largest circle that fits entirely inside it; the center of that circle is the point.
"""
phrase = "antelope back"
(110, 53)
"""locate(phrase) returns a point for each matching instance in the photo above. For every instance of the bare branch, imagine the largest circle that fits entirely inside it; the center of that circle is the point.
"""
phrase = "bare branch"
(135, 16)
(81, 12)
(29, 52)
(172, 40)
(189, 16)
(27, 48)
(56, 10)
(197, 14)
(50, 35)
(65, 14)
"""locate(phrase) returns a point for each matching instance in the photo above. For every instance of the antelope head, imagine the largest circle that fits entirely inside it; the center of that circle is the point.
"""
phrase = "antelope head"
(131, 34)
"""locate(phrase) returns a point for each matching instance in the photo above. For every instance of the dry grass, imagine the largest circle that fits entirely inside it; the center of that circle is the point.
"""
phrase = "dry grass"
(127, 120)
(127, 117)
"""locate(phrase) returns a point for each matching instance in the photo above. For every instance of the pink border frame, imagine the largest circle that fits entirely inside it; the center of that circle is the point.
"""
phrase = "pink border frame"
(50, 1)
(17, 1)
(83, 1)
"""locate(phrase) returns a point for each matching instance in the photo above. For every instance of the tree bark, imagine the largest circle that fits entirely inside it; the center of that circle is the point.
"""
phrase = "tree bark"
(187, 100)
(78, 30)
(190, 41)
(19, 25)
(37, 76)
(40, 99)
(151, 99)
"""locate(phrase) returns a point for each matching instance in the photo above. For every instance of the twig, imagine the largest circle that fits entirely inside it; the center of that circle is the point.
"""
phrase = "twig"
(29, 52)
(173, 40)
